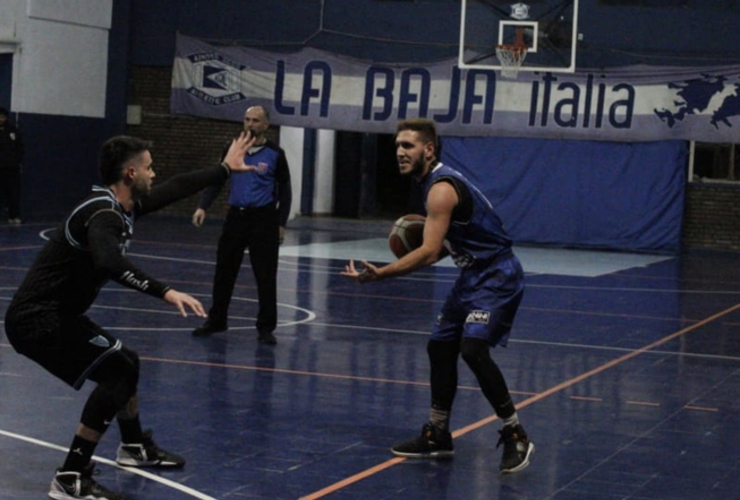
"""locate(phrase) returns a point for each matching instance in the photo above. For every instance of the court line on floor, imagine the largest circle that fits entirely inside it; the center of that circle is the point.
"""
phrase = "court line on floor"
(531, 400)
(164, 481)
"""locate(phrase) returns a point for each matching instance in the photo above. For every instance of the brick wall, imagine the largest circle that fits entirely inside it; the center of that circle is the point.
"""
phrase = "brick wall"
(181, 143)
(712, 217)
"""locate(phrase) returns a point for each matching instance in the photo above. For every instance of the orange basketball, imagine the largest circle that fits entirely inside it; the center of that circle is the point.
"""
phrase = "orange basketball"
(407, 234)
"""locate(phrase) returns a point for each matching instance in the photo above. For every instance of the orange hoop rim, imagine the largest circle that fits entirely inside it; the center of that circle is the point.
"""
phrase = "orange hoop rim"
(513, 48)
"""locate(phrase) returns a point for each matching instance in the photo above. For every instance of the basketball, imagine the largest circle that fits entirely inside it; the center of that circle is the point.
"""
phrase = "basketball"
(407, 234)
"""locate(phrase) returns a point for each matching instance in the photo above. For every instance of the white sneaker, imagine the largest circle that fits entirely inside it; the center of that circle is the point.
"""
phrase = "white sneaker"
(69, 485)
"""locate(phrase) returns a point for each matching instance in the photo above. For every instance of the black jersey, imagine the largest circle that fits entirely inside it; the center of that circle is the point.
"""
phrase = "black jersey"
(89, 248)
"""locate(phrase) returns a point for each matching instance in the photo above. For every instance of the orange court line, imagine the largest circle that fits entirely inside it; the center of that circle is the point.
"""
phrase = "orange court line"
(584, 398)
(700, 408)
(555, 389)
(25, 247)
(293, 372)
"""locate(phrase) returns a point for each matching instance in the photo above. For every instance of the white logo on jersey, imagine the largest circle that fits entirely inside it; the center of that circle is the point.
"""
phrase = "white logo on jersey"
(99, 341)
(463, 260)
(128, 277)
(480, 317)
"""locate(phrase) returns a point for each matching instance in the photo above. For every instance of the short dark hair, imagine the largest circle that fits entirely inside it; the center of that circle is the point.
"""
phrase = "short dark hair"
(426, 129)
(115, 152)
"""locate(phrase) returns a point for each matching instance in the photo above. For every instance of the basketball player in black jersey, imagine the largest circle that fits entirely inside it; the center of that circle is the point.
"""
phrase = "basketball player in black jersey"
(46, 319)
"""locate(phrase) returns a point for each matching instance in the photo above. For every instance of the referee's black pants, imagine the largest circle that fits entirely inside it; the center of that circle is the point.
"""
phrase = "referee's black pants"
(256, 229)
(10, 191)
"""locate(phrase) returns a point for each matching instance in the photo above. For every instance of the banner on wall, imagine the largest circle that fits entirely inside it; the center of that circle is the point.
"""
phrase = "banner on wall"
(316, 89)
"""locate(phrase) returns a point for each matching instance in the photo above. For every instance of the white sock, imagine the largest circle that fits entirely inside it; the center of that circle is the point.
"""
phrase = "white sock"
(511, 421)
(439, 419)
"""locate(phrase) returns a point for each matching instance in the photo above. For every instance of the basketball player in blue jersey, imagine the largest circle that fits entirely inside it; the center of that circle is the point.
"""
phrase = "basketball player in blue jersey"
(259, 206)
(46, 319)
(479, 310)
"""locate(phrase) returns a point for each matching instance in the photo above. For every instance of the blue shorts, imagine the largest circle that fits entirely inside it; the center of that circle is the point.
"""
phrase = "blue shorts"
(482, 304)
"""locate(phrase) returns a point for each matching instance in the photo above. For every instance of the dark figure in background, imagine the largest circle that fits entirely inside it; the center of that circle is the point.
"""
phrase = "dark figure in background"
(478, 312)
(259, 206)
(11, 161)
(46, 319)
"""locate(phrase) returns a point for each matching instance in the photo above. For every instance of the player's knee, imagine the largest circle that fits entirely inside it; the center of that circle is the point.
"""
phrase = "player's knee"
(118, 391)
(443, 352)
(105, 401)
(118, 375)
(475, 352)
(120, 386)
(134, 364)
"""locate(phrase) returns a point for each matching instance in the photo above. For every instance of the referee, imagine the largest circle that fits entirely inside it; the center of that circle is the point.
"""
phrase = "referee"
(259, 208)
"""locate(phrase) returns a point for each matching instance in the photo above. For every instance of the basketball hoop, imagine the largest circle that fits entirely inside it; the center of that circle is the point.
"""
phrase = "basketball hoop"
(511, 56)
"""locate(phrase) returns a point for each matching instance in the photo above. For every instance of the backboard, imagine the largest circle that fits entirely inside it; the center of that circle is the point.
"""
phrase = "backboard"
(549, 28)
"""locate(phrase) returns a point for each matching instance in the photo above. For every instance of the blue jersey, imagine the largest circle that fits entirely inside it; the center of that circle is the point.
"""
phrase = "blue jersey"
(256, 189)
(484, 300)
(476, 233)
(268, 186)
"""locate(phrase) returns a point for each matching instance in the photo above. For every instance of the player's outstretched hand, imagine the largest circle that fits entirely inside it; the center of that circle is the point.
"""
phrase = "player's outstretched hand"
(234, 158)
(369, 273)
(183, 302)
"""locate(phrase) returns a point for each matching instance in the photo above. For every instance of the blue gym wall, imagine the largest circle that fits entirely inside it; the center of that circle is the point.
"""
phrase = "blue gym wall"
(703, 32)
(143, 34)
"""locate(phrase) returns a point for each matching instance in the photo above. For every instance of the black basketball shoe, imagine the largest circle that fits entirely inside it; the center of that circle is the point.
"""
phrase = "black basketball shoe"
(432, 443)
(147, 454)
(69, 485)
(517, 449)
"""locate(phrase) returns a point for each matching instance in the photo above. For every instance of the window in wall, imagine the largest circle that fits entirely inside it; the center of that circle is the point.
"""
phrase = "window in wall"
(710, 162)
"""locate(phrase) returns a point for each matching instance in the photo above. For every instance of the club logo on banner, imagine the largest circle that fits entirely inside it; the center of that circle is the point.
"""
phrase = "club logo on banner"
(216, 80)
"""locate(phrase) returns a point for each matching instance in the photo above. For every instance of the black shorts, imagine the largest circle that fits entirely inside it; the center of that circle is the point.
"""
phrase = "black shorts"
(69, 347)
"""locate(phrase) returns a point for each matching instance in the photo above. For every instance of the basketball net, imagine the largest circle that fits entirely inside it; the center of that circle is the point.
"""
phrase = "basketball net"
(511, 56)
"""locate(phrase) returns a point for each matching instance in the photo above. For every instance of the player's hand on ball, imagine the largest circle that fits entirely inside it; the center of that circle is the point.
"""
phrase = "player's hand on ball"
(369, 273)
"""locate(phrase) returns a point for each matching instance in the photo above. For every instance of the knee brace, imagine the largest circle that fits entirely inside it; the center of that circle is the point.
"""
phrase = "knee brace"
(117, 379)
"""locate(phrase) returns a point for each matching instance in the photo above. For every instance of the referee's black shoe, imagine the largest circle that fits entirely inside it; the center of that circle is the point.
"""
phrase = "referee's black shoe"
(209, 328)
(265, 337)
